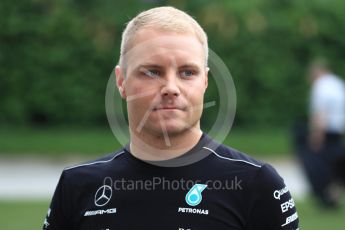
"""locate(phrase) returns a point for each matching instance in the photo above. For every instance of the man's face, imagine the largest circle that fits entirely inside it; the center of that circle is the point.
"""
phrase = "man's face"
(314, 73)
(165, 82)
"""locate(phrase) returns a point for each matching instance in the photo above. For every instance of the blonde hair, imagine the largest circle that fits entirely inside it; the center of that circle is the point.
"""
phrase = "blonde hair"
(165, 18)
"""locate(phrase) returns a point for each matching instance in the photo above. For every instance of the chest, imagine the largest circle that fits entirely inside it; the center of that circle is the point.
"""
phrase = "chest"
(158, 203)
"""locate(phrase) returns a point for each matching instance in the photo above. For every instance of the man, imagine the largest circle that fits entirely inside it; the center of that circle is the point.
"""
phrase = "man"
(324, 153)
(327, 106)
(162, 74)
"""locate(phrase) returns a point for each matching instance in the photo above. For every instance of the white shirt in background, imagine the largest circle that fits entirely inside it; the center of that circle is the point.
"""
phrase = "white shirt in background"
(328, 99)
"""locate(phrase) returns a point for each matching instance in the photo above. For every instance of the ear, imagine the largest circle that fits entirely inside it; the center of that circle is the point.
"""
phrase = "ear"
(120, 81)
(206, 77)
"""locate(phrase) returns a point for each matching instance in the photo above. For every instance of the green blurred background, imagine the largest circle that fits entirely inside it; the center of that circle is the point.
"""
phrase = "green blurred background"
(56, 58)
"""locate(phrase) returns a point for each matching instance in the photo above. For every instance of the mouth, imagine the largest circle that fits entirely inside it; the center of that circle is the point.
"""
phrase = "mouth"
(167, 108)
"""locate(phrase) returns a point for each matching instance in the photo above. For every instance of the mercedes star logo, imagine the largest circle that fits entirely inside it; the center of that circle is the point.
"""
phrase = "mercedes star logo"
(103, 195)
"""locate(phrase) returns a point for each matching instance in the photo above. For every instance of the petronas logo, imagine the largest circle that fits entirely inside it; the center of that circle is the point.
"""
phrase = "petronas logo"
(194, 197)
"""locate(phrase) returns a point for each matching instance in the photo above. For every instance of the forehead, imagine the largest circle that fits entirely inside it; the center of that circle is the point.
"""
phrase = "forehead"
(164, 47)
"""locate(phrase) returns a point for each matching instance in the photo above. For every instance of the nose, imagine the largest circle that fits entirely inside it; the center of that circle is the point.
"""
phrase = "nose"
(170, 86)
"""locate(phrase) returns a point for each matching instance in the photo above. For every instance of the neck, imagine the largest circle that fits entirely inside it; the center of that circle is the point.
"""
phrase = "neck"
(146, 146)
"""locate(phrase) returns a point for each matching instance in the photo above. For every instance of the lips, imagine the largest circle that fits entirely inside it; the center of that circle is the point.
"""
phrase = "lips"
(168, 108)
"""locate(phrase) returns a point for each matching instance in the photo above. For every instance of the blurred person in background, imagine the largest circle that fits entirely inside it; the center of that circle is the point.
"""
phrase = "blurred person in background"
(320, 146)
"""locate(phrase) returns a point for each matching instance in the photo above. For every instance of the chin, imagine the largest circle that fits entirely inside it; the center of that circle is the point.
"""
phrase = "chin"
(170, 129)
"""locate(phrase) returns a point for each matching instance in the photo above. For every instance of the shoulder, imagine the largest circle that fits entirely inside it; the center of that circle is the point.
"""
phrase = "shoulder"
(233, 156)
(329, 84)
(230, 159)
(269, 202)
(272, 206)
(96, 166)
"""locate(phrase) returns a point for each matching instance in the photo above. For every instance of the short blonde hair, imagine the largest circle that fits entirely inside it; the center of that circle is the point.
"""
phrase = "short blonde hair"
(166, 18)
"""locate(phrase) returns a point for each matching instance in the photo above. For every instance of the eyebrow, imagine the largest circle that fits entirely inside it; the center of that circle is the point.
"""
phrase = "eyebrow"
(155, 66)
(189, 65)
(148, 66)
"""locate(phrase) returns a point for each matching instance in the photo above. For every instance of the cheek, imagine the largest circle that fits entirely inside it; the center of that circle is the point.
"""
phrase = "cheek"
(138, 89)
(138, 105)
(140, 99)
(132, 89)
(133, 92)
(136, 111)
(196, 96)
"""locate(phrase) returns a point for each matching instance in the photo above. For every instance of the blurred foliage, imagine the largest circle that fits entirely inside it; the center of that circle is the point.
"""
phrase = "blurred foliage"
(56, 56)
(61, 142)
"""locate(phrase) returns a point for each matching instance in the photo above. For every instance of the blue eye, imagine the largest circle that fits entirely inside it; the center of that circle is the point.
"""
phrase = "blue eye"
(187, 73)
(152, 73)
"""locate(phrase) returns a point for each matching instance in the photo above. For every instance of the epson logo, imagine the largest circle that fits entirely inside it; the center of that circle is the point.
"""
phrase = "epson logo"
(287, 205)
(100, 212)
